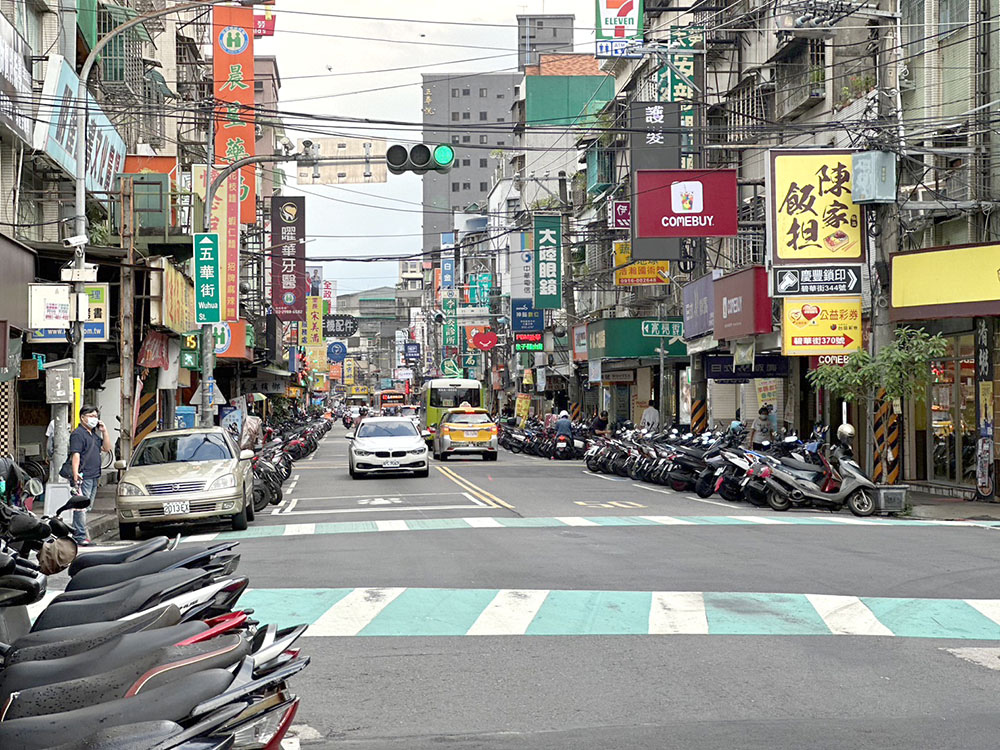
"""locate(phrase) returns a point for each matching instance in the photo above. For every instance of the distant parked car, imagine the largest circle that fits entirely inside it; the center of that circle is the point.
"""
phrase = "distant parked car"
(178, 476)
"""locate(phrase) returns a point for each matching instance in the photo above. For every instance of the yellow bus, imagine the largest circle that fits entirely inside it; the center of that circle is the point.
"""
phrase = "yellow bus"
(441, 394)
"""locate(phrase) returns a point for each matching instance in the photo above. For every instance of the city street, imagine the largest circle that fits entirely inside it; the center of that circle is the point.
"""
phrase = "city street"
(669, 621)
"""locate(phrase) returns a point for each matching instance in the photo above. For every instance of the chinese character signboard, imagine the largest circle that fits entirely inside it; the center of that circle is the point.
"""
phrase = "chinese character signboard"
(529, 342)
(449, 305)
(654, 143)
(676, 82)
(172, 303)
(340, 326)
(233, 79)
(619, 214)
(525, 318)
(667, 329)
(96, 327)
(699, 306)
(330, 295)
(224, 220)
(348, 372)
(207, 286)
(288, 257)
(313, 332)
(686, 203)
(522, 266)
(640, 272)
(812, 215)
(15, 81)
(821, 325)
(548, 262)
(822, 278)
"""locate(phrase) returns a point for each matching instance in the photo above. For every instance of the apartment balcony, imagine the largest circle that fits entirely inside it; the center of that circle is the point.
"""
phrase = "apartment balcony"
(600, 170)
(801, 79)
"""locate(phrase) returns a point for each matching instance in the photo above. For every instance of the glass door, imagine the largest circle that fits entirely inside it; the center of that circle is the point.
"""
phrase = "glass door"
(952, 399)
(942, 405)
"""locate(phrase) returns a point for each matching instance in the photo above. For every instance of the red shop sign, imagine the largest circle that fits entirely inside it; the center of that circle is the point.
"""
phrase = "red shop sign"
(828, 359)
(742, 305)
(686, 203)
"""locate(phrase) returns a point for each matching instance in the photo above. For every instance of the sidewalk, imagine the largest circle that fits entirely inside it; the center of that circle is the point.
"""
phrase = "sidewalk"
(928, 506)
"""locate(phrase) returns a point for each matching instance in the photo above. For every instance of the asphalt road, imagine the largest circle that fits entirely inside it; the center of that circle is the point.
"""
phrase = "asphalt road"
(527, 604)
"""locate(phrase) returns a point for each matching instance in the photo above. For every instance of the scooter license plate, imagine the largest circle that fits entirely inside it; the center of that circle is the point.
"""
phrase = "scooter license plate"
(390, 464)
(745, 482)
(176, 508)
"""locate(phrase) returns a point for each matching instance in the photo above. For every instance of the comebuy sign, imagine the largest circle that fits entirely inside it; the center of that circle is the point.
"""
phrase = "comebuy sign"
(686, 203)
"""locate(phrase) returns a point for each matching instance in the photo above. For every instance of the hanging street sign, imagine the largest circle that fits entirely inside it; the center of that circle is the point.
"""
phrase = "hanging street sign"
(829, 279)
(664, 329)
(336, 352)
(451, 369)
(207, 294)
(340, 326)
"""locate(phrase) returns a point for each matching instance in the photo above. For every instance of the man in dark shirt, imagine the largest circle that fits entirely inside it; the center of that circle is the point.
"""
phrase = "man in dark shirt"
(85, 445)
(600, 424)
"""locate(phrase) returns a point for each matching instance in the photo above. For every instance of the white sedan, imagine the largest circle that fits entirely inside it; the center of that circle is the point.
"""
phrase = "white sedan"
(387, 444)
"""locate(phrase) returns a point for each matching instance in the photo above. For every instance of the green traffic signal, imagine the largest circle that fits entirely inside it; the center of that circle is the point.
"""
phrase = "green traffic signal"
(420, 158)
(444, 156)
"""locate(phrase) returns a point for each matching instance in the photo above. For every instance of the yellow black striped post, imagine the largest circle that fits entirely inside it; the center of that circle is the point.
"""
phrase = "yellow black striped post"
(574, 411)
(148, 408)
(699, 416)
(883, 417)
(894, 448)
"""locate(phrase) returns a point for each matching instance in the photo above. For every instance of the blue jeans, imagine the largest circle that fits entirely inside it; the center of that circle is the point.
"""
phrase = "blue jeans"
(88, 488)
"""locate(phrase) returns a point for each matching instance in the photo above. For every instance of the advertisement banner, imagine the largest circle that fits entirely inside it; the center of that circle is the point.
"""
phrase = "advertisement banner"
(411, 350)
(548, 262)
(348, 372)
(619, 19)
(330, 295)
(945, 282)
(742, 305)
(580, 343)
(233, 89)
(207, 286)
(811, 214)
(172, 303)
(336, 371)
(15, 82)
(594, 371)
(699, 306)
(686, 203)
(767, 392)
(231, 341)
(224, 221)
(821, 325)
(288, 256)
(619, 214)
(312, 334)
(522, 266)
(675, 82)
(522, 407)
(525, 318)
(314, 276)
(640, 272)
(55, 129)
(94, 330)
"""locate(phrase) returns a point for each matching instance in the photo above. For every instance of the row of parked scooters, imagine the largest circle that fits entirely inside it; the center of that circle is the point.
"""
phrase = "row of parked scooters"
(786, 474)
(272, 464)
(146, 647)
(535, 439)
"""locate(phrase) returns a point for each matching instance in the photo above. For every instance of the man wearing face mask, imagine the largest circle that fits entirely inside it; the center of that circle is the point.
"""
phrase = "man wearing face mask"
(85, 445)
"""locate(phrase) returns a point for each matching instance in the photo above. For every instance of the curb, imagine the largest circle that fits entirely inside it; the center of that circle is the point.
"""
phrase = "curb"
(100, 524)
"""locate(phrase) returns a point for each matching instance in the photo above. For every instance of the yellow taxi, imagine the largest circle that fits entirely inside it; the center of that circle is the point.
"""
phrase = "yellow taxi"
(465, 431)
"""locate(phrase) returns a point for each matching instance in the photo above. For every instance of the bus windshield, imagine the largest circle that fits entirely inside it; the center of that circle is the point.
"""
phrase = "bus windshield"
(450, 398)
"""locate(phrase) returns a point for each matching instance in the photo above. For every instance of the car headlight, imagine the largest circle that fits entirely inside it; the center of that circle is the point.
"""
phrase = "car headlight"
(126, 489)
(224, 483)
(362, 453)
(418, 452)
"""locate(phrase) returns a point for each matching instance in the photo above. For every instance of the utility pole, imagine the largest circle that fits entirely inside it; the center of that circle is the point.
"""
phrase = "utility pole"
(569, 300)
(126, 318)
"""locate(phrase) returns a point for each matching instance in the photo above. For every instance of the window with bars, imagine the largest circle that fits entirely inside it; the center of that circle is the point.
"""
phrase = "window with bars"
(121, 60)
(746, 111)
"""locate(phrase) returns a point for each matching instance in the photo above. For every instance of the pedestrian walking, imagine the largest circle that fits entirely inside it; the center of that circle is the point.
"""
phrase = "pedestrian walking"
(650, 417)
(83, 467)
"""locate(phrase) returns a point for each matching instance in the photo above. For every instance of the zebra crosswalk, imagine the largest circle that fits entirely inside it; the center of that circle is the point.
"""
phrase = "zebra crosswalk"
(498, 522)
(398, 612)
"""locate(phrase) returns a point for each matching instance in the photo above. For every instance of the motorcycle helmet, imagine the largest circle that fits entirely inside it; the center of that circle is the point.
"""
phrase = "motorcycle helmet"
(845, 433)
(563, 414)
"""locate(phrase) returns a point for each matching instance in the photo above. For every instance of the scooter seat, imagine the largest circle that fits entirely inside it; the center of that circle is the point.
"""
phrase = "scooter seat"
(151, 670)
(173, 702)
(119, 555)
(123, 600)
(127, 737)
(56, 643)
(797, 465)
(108, 575)
(107, 656)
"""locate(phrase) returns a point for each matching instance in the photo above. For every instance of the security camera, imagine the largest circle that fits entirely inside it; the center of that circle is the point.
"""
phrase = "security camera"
(307, 144)
(78, 240)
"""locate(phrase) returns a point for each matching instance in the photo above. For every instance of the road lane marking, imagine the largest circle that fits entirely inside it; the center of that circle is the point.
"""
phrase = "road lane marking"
(392, 525)
(290, 507)
(988, 607)
(351, 614)
(671, 492)
(601, 476)
(510, 613)
(677, 612)
(484, 522)
(476, 500)
(361, 497)
(569, 521)
(488, 496)
(760, 519)
(379, 509)
(847, 615)
(465, 484)
(300, 529)
(669, 520)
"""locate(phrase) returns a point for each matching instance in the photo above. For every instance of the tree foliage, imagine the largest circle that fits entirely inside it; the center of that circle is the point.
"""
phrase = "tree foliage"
(901, 368)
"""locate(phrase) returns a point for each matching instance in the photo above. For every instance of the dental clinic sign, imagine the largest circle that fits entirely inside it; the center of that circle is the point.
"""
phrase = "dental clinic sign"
(686, 203)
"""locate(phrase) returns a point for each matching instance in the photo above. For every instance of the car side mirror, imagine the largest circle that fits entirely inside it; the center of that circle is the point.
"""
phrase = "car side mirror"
(349, 436)
(246, 455)
(425, 434)
(120, 465)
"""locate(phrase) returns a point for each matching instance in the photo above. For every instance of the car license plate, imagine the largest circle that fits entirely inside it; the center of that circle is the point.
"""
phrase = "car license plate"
(472, 434)
(390, 464)
(176, 508)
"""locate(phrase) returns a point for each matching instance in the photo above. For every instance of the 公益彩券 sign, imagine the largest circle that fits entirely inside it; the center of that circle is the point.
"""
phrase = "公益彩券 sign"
(821, 325)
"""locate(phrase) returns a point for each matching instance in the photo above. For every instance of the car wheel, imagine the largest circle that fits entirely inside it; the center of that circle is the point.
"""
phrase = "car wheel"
(239, 521)
(128, 532)
(248, 506)
(422, 474)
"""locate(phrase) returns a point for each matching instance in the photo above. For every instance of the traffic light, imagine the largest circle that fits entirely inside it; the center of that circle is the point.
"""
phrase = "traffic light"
(420, 158)
(191, 351)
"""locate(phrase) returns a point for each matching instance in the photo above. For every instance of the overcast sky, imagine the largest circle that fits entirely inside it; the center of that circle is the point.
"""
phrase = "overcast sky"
(320, 73)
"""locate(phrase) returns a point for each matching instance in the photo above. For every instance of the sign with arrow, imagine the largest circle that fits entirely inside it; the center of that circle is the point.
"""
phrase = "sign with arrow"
(821, 325)
(822, 278)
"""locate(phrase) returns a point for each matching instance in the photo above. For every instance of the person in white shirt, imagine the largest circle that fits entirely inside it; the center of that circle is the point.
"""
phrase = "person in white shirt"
(650, 417)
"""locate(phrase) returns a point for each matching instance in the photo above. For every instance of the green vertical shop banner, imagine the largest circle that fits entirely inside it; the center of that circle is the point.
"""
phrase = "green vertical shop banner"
(449, 305)
(548, 262)
(207, 282)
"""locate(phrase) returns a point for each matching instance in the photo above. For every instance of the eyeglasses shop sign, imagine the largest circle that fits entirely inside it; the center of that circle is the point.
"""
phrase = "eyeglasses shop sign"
(686, 203)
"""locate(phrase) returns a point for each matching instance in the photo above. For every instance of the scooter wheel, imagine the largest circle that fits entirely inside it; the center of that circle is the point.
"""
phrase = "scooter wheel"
(705, 486)
(593, 467)
(861, 503)
(778, 502)
(678, 485)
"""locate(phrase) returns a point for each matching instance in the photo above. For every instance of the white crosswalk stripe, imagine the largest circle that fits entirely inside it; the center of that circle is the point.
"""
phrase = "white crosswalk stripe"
(300, 529)
(678, 612)
(510, 612)
(483, 522)
(350, 615)
(847, 615)
(397, 525)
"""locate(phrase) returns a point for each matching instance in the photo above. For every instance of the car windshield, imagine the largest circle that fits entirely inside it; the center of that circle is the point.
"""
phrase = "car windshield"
(402, 428)
(449, 398)
(168, 449)
(463, 418)
(408, 411)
